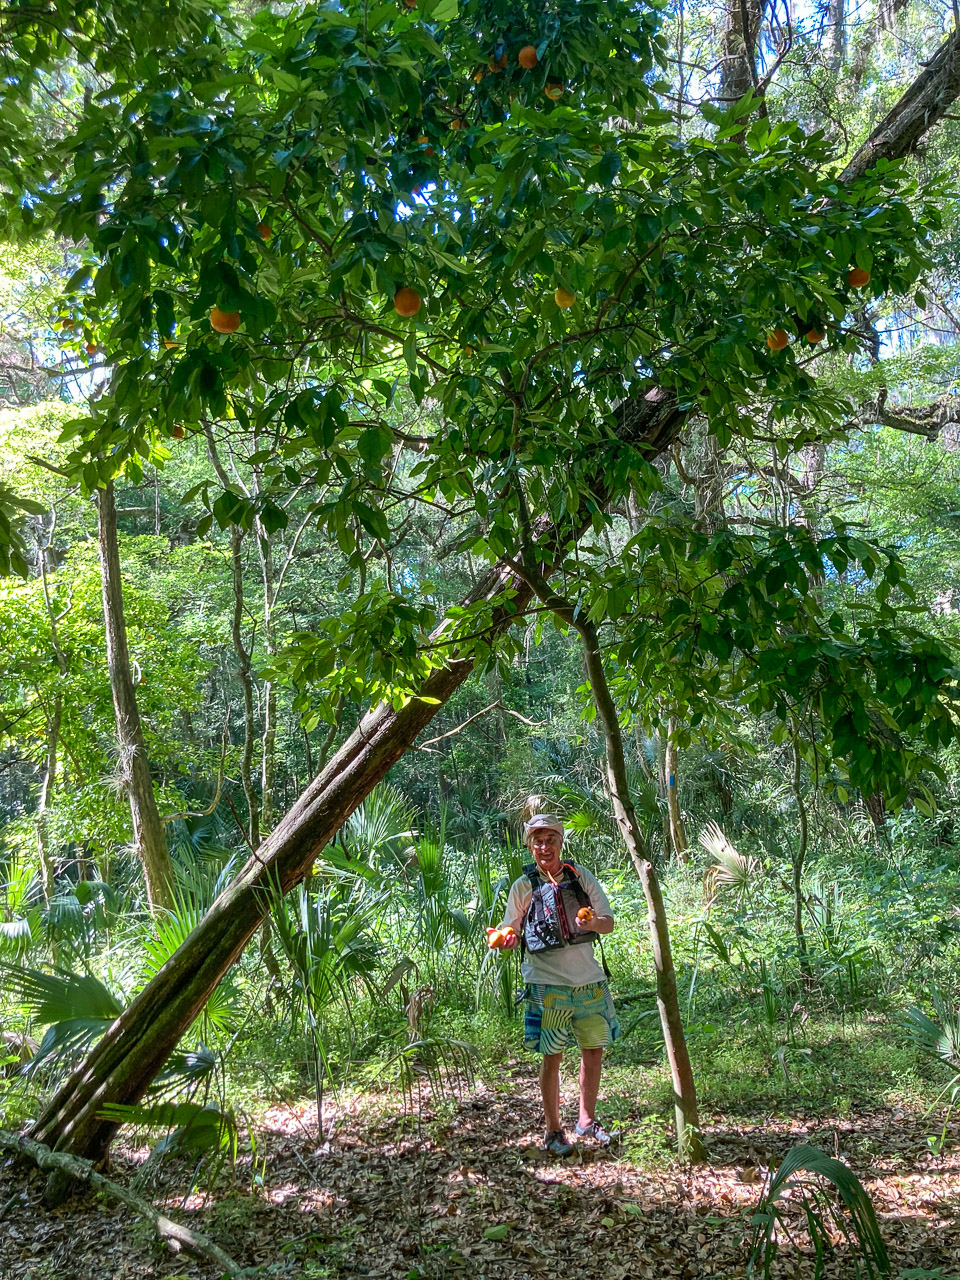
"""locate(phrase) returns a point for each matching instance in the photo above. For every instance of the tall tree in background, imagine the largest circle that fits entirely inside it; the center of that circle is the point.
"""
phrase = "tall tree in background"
(149, 836)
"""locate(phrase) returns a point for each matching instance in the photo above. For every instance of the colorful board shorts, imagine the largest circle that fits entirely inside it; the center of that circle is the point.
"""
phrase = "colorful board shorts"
(556, 1016)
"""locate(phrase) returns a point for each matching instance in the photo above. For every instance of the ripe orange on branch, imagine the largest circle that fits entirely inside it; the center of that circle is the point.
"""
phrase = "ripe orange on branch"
(527, 57)
(554, 90)
(563, 297)
(777, 340)
(406, 301)
(814, 336)
(178, 433)
(858, 277)
(224, 321)
(264, 231)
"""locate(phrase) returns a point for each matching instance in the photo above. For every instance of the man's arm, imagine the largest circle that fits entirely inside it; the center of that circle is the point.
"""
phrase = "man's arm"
(599, 924)
(602, 921)
(516, 910)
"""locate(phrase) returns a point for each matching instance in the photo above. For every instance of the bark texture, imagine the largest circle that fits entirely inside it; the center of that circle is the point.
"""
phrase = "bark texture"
(678, 830)
(925, 103)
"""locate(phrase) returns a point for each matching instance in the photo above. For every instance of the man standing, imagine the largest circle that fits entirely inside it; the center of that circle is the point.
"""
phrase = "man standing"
(557, 909)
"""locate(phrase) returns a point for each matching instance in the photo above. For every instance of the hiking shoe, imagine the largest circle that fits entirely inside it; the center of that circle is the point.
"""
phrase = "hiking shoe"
(596, 1131)
(556, 1143)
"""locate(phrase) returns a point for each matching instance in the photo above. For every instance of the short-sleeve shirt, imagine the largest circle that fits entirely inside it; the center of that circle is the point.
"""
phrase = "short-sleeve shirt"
(574, 966)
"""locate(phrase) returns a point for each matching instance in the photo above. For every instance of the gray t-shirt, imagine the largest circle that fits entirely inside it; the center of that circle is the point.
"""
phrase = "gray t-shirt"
(574, 966)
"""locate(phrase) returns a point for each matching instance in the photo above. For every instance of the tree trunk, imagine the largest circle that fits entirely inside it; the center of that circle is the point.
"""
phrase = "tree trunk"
(678, 831)
(54, 722)
(42, 818)
(246, 687)
(738, 71)
(799, 857)
(835, 36)
(923, 105)
(149, 838)
(268, 762)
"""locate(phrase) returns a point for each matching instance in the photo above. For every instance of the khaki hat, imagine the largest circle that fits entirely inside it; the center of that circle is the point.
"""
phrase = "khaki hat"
(542, 822)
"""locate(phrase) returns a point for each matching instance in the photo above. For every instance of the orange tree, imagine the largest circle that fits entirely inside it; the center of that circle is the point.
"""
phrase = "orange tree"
(586, 283)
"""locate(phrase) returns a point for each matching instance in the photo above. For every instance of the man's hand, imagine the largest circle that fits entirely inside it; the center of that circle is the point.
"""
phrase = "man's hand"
(505, 937)
(587, 921)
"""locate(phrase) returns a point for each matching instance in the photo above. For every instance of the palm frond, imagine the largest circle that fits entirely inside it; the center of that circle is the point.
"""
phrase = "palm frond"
(732, 869)
(940, 1037)
(66, 1040)
(192, 1127)
(19, 935)
(804, 1170)
(187, 1067)
(78, 1008)
(59, 996)
(22, 888)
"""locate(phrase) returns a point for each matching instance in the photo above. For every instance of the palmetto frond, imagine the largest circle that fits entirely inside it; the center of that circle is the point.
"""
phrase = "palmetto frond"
(732, 869)
(77, 1007)
(940, 1036)
(191, 1127)
(379, 826)
(58, 996)
(803, 1171)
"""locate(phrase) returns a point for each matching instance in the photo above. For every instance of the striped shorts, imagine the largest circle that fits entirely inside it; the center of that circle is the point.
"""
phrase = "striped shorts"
(556, 1016)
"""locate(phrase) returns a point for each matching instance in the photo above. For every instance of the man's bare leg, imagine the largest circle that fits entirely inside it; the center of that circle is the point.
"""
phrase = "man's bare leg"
(550, 1090)
(591, 1061)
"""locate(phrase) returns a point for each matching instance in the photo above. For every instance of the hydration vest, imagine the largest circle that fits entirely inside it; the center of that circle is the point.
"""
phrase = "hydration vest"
(548, 924)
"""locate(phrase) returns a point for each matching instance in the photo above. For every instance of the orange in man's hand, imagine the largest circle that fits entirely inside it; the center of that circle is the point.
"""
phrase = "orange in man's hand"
(585, 914)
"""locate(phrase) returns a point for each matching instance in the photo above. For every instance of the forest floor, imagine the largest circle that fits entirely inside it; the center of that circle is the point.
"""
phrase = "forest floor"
(387, 1194)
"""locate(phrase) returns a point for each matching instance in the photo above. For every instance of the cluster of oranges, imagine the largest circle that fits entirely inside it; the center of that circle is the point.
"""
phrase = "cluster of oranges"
(527, 59)
(71, 328)
(407, 302)
(777, 339)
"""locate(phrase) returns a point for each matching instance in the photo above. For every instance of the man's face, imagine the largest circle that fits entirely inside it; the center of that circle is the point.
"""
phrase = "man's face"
(545, 845)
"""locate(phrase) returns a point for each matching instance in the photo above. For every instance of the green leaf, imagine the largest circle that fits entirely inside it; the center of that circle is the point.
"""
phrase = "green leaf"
(497, 1233)
(609, 167)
